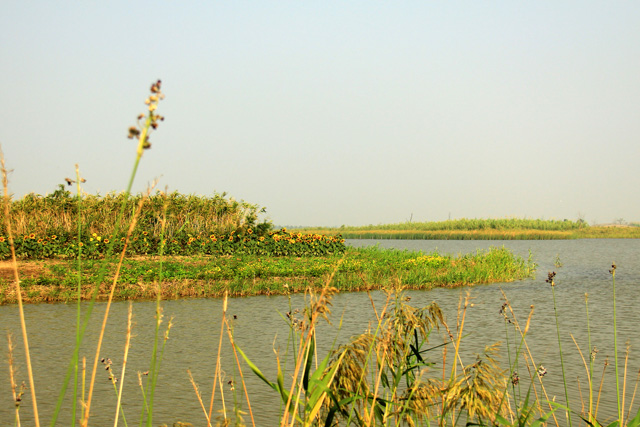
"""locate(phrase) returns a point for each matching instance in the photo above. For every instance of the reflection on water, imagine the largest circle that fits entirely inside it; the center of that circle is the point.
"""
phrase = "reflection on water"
(260, 330)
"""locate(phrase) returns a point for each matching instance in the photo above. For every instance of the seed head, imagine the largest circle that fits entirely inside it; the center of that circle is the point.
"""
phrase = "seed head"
(550, 278)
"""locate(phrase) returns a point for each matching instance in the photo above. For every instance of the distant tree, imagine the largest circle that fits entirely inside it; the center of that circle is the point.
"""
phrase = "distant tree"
(620, 221)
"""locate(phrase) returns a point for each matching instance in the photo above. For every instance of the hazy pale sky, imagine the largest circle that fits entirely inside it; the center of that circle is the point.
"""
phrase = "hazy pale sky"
(334, 112)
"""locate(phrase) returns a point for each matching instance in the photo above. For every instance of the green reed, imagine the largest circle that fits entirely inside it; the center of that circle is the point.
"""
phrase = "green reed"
(57, 213)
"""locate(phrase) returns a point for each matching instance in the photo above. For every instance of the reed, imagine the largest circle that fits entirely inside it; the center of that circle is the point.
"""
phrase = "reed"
(477, 224)
(57, 213)
(482, 230)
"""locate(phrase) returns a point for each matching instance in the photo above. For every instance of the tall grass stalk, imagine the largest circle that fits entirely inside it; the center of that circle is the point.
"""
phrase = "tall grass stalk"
(592, 355)
(615, 341)
(154, 368)
(235, 354)
(17, 395)
(217, 375)
(124, 367)
(23, 323)
(74, 359)
(106, 314)
(199, 396)
(551, 281)
(142, 144)
(530, 362)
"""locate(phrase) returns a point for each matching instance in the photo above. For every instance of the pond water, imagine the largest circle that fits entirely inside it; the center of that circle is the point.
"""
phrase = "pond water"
(259, 328)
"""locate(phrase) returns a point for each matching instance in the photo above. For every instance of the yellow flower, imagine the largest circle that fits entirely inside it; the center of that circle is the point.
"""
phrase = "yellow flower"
(106, 241)
(1, 239)
(250, 231)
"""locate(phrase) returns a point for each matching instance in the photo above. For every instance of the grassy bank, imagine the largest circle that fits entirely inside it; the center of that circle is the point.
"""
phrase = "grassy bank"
(482, 229)
(244, 275)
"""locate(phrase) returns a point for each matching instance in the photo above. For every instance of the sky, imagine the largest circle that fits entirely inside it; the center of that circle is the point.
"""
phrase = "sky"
(335, 112)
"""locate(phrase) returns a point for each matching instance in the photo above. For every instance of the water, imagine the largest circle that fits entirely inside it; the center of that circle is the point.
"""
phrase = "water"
(259, 329)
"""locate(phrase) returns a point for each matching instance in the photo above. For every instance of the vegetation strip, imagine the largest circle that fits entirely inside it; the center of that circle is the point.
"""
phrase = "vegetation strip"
(244, 275)
(482, 229)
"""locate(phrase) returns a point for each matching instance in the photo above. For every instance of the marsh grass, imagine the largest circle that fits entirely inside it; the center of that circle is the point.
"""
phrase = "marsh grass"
(482, 229)
(58, 213)
(244, 275)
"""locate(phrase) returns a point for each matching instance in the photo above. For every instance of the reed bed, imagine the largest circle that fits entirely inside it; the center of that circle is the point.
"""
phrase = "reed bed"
(58, 214)
(477, 224)
(592, 232)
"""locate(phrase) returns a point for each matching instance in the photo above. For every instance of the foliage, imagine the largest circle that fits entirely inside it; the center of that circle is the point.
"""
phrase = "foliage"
(58, 214)
(250, 241)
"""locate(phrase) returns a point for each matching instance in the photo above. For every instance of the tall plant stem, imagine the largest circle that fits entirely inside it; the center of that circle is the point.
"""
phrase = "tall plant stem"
(564, 378)
(591, 356)
(106, 314)
(615, 342)
(75, 356)
(16, 277)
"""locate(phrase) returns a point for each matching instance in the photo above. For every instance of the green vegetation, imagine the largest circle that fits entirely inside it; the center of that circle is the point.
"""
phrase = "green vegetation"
(144, 243)
(243, 274)
(482, 229)
(410, 368)
(60, 213)
(383, 377)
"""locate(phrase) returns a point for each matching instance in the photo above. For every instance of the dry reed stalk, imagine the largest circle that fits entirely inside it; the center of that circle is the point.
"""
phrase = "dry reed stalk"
(23, 323)
(244, 386)
(316, 311)
(633, 397)
(199, 396)
(584, 362)
(456, 347)
(382, 359)
(124, 363)
(218, 365)
(12, 372)
(604, 369)
(110, 299)
(624, 381)
(529, 356)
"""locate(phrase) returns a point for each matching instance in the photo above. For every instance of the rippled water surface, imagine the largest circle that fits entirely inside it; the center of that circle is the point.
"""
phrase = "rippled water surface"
(259, 329)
